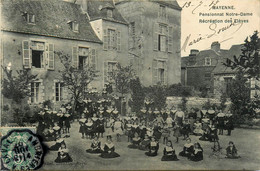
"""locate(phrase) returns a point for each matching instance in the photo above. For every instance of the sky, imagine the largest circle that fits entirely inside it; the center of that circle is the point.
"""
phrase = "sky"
(200, 35)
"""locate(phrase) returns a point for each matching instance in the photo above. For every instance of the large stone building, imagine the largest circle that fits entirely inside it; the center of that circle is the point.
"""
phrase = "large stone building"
(198, 66)
(154, 39)
(33, 30)
(93, 33)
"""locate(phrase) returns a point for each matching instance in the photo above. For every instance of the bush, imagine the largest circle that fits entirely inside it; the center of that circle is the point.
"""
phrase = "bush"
(179, 90)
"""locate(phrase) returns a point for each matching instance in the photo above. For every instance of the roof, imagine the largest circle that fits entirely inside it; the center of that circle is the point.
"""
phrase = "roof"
(170, 3)
(52, 18)
(235, 50)
(97, 10)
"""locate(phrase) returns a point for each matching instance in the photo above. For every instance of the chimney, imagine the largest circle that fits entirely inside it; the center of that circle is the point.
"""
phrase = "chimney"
(194, 52)
(215, 46)
(83, 4)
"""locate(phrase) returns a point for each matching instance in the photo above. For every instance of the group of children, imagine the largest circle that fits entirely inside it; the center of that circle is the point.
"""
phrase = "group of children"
(52, 124)
(144, 131)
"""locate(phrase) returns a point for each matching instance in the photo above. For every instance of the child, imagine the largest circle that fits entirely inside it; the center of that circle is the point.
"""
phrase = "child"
(187, 149)
(67, 124)
(57, 145)
(198, 128)
(142, 130)
(109, 126)
(89, 128)
(157, 131)
(177, 132)
(82, 122)
(129, 132)
(144, 145)
(169, 153)
(149, 131)
(95, 146)
(100, 126)
(153, 148)
(63, 154)
(109, 149)
(135, 141)
(185, 129)
(57, 131)
(95, 123)
(135, 128)
(197, 153)
(169, 121)
(165, 133)
(118, 129)
(231, 151)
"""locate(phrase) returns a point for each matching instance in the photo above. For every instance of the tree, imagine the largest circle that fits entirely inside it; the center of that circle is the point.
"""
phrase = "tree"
(121, 78)
(248, 61)
(158, 95)
(76, 80)
(240, 96)
(16, 88)
(137, 95)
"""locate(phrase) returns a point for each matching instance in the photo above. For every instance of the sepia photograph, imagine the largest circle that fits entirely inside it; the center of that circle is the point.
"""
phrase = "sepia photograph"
(130, 84)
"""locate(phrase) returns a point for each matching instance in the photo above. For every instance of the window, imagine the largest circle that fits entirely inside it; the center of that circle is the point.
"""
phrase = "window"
(109, 13)
(75, 26)
(111, 67)
(228, 84)
(35, 86)
(132, 35)
(30, 18)
(59, 91)
(83, 57)
(37, 59)
(161, 71)
(162, 12)
(111, 39)
(38, 54)
(162, 37)
(207, 76)
(208, 61)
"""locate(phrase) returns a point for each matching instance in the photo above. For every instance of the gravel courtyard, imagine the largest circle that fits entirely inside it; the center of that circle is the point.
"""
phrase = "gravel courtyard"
(247, 142)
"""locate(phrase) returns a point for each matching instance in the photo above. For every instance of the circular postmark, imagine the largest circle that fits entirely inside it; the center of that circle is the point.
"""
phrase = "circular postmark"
(21, 150)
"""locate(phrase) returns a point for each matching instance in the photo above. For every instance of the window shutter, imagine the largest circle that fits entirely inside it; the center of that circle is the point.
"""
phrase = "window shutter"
(51, 57)
(94, 58)
(155, 36)
(118, 41)
(105, 72)
(154, 72)
(105, 41)
(165, 72)
(170, 39)
(75, 59)
(26, 54)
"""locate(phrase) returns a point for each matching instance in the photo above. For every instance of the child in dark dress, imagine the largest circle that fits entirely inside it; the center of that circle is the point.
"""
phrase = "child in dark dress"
(169, 153)
(135, 141)
(187, 149)
(82, 122)
(197, 153)
(109, 149)
(153, 148)
(63, 154)
(95, 146)
(231, 151)
(57, 145)
(144, 145)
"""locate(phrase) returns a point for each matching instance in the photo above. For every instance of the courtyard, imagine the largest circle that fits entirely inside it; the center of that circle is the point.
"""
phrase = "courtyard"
(247, 142)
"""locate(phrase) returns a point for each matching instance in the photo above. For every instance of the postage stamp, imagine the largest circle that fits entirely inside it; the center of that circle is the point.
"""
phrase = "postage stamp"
(21, 149)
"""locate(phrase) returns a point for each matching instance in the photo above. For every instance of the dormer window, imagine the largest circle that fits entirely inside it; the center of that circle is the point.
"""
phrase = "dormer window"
(109, 13)
(30, 18)
(75, 26)
(208, 61)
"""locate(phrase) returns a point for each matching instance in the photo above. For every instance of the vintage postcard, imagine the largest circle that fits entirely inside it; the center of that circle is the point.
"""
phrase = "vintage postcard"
(130, 84)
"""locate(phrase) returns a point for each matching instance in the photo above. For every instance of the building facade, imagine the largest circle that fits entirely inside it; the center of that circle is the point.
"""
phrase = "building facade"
(154, 39)
(94, 33)
(197, 68)
(32, 34)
